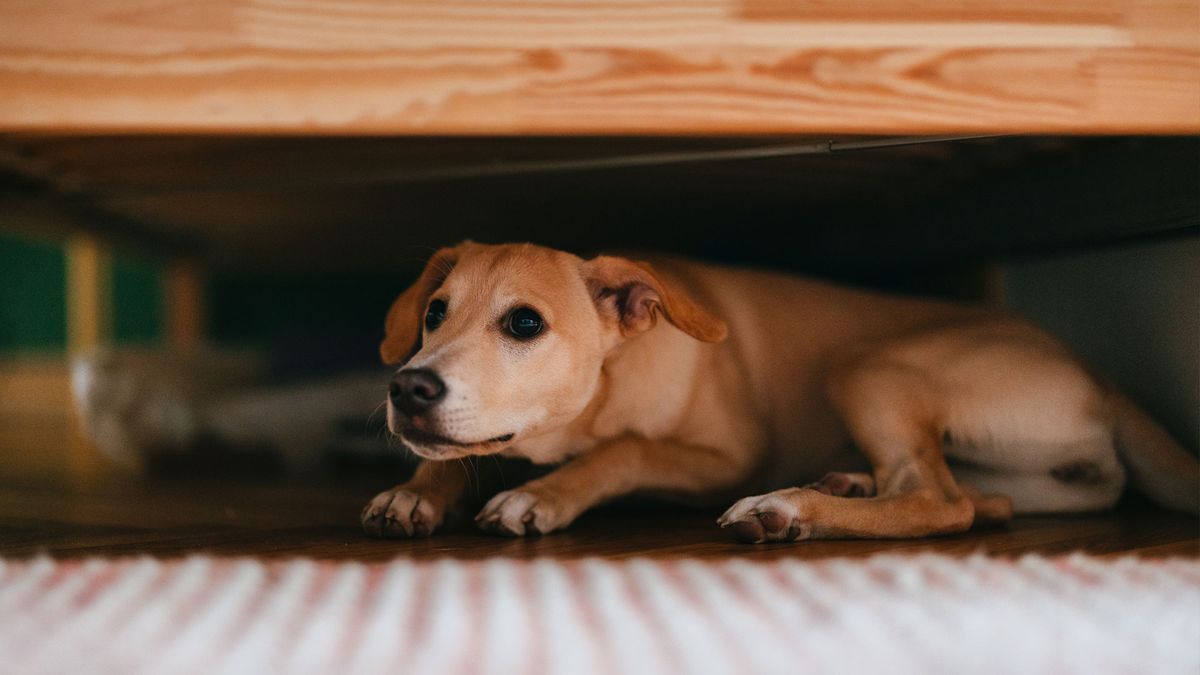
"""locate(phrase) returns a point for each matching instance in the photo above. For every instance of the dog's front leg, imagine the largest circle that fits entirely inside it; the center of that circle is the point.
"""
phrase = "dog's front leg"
(415, 508)
(614, 468)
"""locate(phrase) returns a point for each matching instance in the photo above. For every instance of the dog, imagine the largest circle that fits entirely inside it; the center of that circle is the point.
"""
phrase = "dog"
(841, 410)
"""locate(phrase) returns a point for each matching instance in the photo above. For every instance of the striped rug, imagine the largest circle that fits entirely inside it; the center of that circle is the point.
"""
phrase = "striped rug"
(888, 614)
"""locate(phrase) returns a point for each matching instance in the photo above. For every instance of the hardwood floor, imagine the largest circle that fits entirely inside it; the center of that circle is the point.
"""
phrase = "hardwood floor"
(181, 517)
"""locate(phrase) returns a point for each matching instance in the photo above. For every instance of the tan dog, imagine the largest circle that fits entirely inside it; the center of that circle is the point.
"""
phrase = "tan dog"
(525, 351)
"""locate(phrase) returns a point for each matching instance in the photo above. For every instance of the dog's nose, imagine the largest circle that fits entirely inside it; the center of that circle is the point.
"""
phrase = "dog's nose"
(416, 390)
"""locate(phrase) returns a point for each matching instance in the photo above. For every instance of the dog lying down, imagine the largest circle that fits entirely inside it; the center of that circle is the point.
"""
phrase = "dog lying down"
(752, 383)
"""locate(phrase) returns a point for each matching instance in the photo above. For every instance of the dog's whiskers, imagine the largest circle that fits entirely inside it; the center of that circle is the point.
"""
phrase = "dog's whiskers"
(500, 470)
(374, 412)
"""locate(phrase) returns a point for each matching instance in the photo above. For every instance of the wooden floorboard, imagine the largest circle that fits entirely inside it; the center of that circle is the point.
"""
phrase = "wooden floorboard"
(178, 518)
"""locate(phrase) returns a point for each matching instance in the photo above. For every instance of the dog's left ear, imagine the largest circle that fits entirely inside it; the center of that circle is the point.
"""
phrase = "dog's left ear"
(402, 328)
(635, 294)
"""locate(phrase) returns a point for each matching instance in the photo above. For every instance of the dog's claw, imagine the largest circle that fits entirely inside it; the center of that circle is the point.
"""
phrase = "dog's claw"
(518, 513)
(400, 514)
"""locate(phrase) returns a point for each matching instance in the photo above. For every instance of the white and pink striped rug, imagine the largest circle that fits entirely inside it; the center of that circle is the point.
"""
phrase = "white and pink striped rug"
(893, 614)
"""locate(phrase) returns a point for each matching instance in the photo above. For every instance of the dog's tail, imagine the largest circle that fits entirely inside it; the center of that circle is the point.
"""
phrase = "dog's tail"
(1159, 466)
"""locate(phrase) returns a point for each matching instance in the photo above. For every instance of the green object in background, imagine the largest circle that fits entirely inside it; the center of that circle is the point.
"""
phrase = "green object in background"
(244, 309)
(33, 296)
(137, 290)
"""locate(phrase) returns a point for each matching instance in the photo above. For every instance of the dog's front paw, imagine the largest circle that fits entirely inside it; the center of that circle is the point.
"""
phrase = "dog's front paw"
(401, 514)
(521, 512)
(775, 516)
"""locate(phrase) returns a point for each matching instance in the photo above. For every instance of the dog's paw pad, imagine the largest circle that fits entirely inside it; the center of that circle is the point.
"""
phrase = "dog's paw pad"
(749, 530)
(764, 518)
(772, 521)
(400, 514)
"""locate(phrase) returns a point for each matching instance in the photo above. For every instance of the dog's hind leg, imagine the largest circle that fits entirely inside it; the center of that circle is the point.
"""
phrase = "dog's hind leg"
(841, 484)
(892, 414)
(989, 508)
(1066, 489)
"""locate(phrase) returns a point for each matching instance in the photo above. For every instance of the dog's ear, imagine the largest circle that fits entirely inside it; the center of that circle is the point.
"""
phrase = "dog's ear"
(402, 328)
(634, 294)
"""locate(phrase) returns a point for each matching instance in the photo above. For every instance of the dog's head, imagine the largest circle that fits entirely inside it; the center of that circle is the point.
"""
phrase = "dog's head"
(505, 342)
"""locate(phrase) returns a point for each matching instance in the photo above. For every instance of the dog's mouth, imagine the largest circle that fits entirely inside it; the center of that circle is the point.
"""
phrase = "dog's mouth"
(427, 438)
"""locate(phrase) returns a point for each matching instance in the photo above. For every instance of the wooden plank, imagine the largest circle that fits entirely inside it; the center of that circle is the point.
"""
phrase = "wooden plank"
(280, 203)
(182, 517)
(638, 66)
(89, 325)
(89, 294)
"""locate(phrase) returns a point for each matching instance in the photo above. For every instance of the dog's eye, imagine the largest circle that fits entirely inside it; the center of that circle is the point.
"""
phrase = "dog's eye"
(435, 315)
(524, 323)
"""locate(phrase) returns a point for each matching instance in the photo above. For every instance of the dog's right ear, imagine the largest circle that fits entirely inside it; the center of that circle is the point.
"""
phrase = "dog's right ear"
(402, 328)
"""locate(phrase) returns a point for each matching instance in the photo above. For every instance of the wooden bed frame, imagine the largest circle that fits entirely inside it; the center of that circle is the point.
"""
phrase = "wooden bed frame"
(637, 66)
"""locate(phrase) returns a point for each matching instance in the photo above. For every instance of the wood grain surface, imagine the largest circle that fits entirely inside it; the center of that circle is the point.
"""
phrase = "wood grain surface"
(634, 66)
(181, 517)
